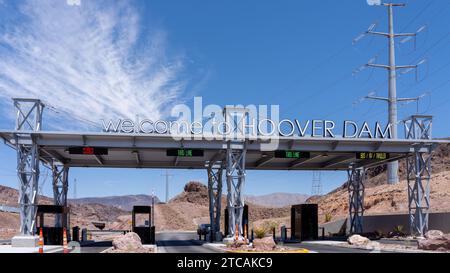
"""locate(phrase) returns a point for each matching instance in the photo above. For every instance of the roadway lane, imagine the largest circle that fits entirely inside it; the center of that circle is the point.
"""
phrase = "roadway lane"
(181, 242)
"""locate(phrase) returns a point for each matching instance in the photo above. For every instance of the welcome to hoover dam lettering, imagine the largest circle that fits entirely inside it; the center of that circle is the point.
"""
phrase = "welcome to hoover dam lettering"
(251, 127)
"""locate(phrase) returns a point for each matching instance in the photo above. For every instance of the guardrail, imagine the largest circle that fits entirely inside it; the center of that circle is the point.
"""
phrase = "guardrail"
(5, 208)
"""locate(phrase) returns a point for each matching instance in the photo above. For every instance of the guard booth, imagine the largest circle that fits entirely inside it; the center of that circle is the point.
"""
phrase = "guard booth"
(304, 222)
(244, 220)
(146, 231)
(53, 235)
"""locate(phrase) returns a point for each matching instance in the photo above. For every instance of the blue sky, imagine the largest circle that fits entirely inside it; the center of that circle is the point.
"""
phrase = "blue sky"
(153, 54)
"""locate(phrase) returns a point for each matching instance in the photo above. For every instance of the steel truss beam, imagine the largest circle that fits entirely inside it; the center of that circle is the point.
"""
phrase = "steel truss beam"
(215, 171)
(355, 186)
(235, 185)
(418, 167)
(60, 186)
(29, 117)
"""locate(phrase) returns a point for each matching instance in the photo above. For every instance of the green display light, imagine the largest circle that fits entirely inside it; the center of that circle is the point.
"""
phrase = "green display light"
(292, 154)
(185, 152)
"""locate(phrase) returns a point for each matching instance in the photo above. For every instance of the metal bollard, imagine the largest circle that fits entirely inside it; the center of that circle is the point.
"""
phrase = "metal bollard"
(283, 233)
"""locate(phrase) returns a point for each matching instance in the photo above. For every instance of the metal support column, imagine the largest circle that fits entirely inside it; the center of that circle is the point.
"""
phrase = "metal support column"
(355, 185)
(60, 188)
(29, 117)
(236, 119)
(215, 170)
(235, 184)
(418, 167)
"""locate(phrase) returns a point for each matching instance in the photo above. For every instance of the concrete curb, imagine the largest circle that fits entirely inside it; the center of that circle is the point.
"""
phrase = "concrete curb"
(386, 249)
(214, 247)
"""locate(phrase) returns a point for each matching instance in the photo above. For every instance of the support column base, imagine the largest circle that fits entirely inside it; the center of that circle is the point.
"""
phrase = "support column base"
(25, 241)
(232, 238)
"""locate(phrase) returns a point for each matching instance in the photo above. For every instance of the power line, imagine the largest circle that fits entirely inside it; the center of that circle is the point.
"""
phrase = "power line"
(75, 116)
(408, 88)
(310, 72)
(341, 79)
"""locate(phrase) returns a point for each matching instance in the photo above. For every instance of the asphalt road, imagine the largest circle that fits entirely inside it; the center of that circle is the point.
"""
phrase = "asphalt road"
(5, 242)
(181, 242)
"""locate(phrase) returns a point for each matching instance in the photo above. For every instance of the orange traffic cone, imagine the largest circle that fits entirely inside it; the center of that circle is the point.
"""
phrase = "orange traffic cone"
(236, 233)
(41, 241)
(245, 233)
(65, 249)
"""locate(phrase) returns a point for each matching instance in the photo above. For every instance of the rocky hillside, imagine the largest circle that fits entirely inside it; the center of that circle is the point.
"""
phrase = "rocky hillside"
(9, 197)
(124, 202)
(382, 198)
(195, 197)
(277, 200)
(183, 212)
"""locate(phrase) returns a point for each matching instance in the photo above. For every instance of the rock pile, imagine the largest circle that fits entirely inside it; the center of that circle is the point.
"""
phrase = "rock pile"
(435, 240)
(129, 243)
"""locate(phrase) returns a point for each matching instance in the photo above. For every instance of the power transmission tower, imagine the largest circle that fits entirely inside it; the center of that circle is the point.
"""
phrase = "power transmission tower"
(153, 208)
(167, 175)
(316, 184)
(392, 68)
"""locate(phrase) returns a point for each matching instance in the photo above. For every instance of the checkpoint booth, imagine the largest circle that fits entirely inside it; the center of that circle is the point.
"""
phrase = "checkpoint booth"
(143, 226)
(304, 222)
(53, 235)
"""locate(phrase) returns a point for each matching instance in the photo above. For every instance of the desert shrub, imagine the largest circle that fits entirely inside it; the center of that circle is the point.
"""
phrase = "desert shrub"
(260, 232)
(328, 217)
(398, 229)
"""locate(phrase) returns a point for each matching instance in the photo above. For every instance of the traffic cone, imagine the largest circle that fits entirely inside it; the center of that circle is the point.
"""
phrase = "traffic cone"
(41, 241)
(245, 233)
(65, 249)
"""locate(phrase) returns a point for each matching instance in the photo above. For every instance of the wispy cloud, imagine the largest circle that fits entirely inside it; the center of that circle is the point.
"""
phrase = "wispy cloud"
(92, 60)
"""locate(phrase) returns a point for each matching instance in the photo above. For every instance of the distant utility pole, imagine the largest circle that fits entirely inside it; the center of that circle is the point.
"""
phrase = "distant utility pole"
(167, 175)
(153, 208)
(392, 68)
(75, 188)
(316, 184)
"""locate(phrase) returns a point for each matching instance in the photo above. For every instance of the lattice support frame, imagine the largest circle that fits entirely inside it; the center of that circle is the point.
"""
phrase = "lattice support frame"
(355, 186)
(28, 119)
(60, 184)
(235, 160)
(215, 173)
(418, 167)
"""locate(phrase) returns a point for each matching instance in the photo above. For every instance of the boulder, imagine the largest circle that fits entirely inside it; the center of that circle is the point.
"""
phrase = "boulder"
(237, 244)
(439, 243)
(434, 235)
(128, 242)
(358, 240)
(264, 244)
(194, 186)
